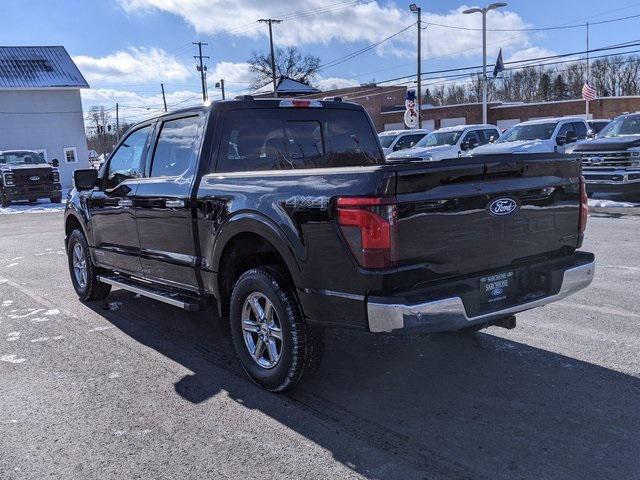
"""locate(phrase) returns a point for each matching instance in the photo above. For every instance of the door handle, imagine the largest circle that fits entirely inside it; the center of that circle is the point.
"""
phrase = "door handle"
(174, 203)
(125, 203)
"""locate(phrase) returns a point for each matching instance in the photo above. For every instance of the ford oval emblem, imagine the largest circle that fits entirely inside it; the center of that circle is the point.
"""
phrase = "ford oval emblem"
(503, 206)
(35, 178)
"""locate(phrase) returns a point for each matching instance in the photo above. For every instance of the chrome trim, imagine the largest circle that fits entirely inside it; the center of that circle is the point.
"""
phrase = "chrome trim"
(450, 313)
(622, 173)
(146, 293)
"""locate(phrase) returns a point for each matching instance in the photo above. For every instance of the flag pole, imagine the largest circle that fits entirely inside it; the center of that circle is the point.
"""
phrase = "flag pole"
(586, 100)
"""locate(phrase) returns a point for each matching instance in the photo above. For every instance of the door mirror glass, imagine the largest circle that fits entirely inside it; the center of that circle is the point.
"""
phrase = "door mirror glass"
(85, 179)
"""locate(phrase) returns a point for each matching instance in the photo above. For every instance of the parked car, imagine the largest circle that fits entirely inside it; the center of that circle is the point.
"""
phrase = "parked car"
(595, 126)
(396, 140)
(449, 142)
(538, 136)
(611, 161)
(25, 175)
(285, 215)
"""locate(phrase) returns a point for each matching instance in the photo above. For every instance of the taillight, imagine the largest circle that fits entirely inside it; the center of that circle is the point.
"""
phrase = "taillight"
(584, 206)
(370, 228)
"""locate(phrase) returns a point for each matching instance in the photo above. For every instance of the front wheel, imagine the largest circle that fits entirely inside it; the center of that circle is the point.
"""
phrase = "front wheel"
(276, 348)
(84, 274)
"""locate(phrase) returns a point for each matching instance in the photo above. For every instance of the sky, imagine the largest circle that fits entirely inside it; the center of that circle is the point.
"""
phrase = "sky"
(126, 48)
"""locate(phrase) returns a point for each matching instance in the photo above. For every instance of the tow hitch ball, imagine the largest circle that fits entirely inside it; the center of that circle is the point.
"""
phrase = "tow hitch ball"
(506, 322)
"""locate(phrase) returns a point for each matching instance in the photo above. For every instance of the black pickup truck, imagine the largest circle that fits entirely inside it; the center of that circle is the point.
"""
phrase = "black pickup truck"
(25, 175)
(284, 214)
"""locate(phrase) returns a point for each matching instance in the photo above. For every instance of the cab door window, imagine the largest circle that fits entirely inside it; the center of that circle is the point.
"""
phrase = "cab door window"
(407, 141)
(472, 139)
(177, 148)
(127, 162)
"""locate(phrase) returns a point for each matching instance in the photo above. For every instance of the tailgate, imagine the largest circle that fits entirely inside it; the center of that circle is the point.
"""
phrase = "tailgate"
(477, 214)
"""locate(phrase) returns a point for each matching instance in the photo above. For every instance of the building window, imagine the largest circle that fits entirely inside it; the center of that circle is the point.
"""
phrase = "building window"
(70, 155)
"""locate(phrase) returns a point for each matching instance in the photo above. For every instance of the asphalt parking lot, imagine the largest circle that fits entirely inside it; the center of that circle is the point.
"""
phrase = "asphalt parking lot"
(131, 388)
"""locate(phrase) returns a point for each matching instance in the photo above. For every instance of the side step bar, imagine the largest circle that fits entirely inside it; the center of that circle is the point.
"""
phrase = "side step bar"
(179, 301)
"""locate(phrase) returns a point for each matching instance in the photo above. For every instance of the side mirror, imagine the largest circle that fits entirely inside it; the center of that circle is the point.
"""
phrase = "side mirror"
(572, 136)
(464, 145)
(85, 179)
(561, 140)
(55, 162)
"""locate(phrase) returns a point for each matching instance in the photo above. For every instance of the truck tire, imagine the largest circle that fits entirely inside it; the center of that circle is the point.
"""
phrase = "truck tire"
(84, 274)
(4, 202)
(56, 199)
(276, 348)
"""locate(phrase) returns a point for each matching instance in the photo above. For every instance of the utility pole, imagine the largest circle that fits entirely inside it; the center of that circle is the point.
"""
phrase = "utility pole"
(588, 73)
(164, 99)
(416, 9)
(117, 121)
(202, 69)
(220, 85)
(273, 57)
(484, 12)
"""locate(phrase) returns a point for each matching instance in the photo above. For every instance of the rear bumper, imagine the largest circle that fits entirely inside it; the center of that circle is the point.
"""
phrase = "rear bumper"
(450, 313)
(26, 192)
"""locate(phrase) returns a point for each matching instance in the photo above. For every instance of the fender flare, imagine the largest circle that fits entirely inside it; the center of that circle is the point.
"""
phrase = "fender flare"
(251, 222)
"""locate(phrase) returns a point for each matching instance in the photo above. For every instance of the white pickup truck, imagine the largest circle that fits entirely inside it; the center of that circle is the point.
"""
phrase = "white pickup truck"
(449, 142)
(538, 136)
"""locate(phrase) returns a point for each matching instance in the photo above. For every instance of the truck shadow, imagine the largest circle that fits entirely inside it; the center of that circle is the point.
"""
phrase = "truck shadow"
(440, 406)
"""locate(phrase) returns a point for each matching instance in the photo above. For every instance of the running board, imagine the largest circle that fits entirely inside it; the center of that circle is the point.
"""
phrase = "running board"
(191, 305)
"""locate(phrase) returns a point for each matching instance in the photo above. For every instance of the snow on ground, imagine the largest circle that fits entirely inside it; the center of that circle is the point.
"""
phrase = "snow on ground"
(43, 205)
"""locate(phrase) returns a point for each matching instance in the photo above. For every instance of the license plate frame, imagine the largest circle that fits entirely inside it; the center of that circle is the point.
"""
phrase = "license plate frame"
(496, 287)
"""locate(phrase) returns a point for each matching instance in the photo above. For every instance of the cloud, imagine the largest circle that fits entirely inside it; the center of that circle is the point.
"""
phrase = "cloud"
(134, 106)
(136, 64)
(334, 83)
(530, 53)
(233, 73)
(324, 21)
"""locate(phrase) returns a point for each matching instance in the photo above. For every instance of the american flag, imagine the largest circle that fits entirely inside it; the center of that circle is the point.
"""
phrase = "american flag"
(588, 92)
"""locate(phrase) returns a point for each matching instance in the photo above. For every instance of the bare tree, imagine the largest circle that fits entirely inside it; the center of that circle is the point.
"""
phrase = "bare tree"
(290, 63)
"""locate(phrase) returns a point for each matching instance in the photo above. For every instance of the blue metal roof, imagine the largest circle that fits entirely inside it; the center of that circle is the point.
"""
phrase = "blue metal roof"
(38, 67)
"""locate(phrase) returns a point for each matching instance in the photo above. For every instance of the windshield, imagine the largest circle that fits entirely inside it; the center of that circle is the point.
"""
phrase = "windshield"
(622, 126)
(537, 131)
(21, 158)
(386, 140)
(435, 139)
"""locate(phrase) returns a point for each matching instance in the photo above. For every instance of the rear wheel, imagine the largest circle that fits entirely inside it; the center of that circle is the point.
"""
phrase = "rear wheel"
(276, 348)
(84, 274)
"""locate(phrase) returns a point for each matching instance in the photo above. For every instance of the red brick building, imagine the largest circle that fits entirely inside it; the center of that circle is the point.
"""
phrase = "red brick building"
(386, 107)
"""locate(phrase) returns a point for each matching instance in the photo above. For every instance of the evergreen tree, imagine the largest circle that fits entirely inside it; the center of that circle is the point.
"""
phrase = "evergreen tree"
(544, 87)
(559, 89)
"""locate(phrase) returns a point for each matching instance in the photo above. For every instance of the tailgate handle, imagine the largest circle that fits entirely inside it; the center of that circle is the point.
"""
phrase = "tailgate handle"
(174, 203)
(125, 203)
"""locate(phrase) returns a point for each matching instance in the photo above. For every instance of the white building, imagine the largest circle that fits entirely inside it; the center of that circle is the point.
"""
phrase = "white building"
(40, 106)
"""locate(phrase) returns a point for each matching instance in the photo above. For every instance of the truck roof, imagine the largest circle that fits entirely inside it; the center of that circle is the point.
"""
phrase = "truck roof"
(248, 101)
(551, 120)
(456, 128)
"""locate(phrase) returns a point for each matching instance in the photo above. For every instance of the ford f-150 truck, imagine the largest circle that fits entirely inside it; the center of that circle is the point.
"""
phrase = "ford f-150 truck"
(25, 175)
(285, 215)
(611, 161)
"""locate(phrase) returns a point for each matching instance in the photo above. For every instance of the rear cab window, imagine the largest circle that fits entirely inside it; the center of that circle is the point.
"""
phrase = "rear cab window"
(286, 139)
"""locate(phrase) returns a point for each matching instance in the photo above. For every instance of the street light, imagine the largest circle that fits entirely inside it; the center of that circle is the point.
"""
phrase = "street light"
(417, 10)
(484, 11)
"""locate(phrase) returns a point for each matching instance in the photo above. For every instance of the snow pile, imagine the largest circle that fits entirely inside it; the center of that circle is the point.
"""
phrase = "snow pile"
(43, 205)
(602, 203)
